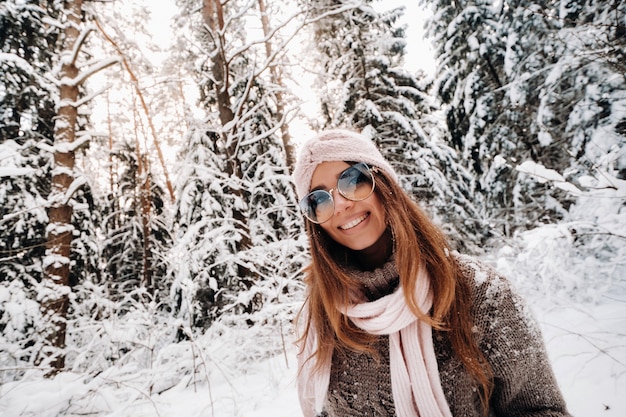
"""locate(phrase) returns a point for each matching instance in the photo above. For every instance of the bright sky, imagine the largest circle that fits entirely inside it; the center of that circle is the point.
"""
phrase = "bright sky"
(420, 54)
(419, 50)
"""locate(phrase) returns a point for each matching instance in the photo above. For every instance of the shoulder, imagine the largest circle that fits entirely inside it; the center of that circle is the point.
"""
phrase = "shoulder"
(496, 303)
(481, 278)
(475, 271)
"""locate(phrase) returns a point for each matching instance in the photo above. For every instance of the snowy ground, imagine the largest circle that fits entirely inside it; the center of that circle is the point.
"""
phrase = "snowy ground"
(587, 346)
(586, 343)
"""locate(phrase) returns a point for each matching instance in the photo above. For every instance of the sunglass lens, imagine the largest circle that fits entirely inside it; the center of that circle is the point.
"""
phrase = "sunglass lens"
(317, 206)
(356, 183)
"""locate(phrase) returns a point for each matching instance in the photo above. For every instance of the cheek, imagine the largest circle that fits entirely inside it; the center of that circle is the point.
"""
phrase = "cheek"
(326, 227)
(382, 221)
(379, 211)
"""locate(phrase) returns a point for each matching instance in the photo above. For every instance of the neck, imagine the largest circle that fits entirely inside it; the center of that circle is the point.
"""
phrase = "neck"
(376, 255)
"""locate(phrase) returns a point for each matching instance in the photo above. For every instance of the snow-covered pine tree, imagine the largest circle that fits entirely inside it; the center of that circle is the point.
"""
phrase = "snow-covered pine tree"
(136, 236)
(582, 99)
(470, 49)
(365, 86)
(22, 226)
(277, 254)
(200, 235)
(530, 30)
(511, 74)
(582, 110)
(30, 59)
(26, 112)
(236, 205)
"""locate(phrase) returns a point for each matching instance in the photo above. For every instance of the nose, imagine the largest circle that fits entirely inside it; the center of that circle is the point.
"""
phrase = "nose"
(341, 203)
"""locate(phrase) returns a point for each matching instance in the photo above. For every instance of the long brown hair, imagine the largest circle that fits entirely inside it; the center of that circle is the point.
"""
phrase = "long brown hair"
(417, 240)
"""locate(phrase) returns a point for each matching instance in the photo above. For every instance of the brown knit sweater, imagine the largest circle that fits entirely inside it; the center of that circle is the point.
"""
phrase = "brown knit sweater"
(360, 384)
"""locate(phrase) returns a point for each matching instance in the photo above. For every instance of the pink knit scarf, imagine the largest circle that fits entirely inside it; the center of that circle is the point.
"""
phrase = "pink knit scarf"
(414, 375)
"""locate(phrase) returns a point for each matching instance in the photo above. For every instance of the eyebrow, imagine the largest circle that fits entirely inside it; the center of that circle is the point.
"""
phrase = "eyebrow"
(319, 187)
(322, 187)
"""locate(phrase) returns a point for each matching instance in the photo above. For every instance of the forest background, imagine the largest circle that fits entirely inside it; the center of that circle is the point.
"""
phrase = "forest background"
(152, 253)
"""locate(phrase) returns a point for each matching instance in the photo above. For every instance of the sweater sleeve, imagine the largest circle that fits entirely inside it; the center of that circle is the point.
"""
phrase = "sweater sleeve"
(524, 383)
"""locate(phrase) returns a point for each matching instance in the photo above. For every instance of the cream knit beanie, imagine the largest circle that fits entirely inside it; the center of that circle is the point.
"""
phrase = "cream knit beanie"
(335, 145)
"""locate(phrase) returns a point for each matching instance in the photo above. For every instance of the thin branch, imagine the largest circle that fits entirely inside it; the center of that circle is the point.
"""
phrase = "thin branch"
(588, 340)
(135, 83)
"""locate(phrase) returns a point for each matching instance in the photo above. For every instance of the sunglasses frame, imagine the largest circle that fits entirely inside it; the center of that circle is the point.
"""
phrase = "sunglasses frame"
(368, 169)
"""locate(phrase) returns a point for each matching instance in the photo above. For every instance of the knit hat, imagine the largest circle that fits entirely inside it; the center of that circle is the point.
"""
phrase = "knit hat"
(335, 145)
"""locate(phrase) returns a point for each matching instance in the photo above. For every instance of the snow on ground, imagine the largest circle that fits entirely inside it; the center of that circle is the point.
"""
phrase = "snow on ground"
(586, 344)
(587, 347)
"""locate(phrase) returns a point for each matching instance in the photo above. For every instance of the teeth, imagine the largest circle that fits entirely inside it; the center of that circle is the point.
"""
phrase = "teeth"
(353, 223)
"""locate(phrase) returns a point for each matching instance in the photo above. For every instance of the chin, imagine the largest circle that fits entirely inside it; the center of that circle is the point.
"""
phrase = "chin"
(371, 242)
(361, 246)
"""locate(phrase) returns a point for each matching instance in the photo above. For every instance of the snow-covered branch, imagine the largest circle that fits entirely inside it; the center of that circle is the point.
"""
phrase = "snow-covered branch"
(80, 40)
(66, 196)
(28, 69)
(88, 72)
(271, 35)
(15, 172)
(66, 147)
(543, 175)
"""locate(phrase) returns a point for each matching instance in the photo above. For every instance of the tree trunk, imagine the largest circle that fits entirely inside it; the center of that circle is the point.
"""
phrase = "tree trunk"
(278, 82)
(54, 302)
(146, 208)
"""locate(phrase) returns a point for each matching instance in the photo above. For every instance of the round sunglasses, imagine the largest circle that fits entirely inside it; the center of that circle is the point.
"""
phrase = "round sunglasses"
(355, 183)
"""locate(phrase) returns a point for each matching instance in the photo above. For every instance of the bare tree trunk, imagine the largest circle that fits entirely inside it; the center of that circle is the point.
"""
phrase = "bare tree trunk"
(109, 126)
(59, 239)
(146, 208)
(143, 178)
(277, 80)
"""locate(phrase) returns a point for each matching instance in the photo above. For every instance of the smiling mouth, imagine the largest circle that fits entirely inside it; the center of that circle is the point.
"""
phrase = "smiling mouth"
(354, 222)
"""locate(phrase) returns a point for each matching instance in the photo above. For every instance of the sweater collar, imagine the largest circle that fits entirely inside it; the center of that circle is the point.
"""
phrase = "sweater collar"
(379, 282)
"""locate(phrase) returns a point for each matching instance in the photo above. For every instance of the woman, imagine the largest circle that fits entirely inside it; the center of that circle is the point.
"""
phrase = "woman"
(394, 323)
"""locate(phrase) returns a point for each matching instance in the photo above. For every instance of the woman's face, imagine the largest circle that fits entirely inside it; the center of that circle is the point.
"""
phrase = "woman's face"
(356, 225)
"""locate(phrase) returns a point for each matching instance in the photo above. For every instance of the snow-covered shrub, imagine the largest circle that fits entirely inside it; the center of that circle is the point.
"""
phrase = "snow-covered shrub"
(580, 259)
(104, 333)
(19, 315)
